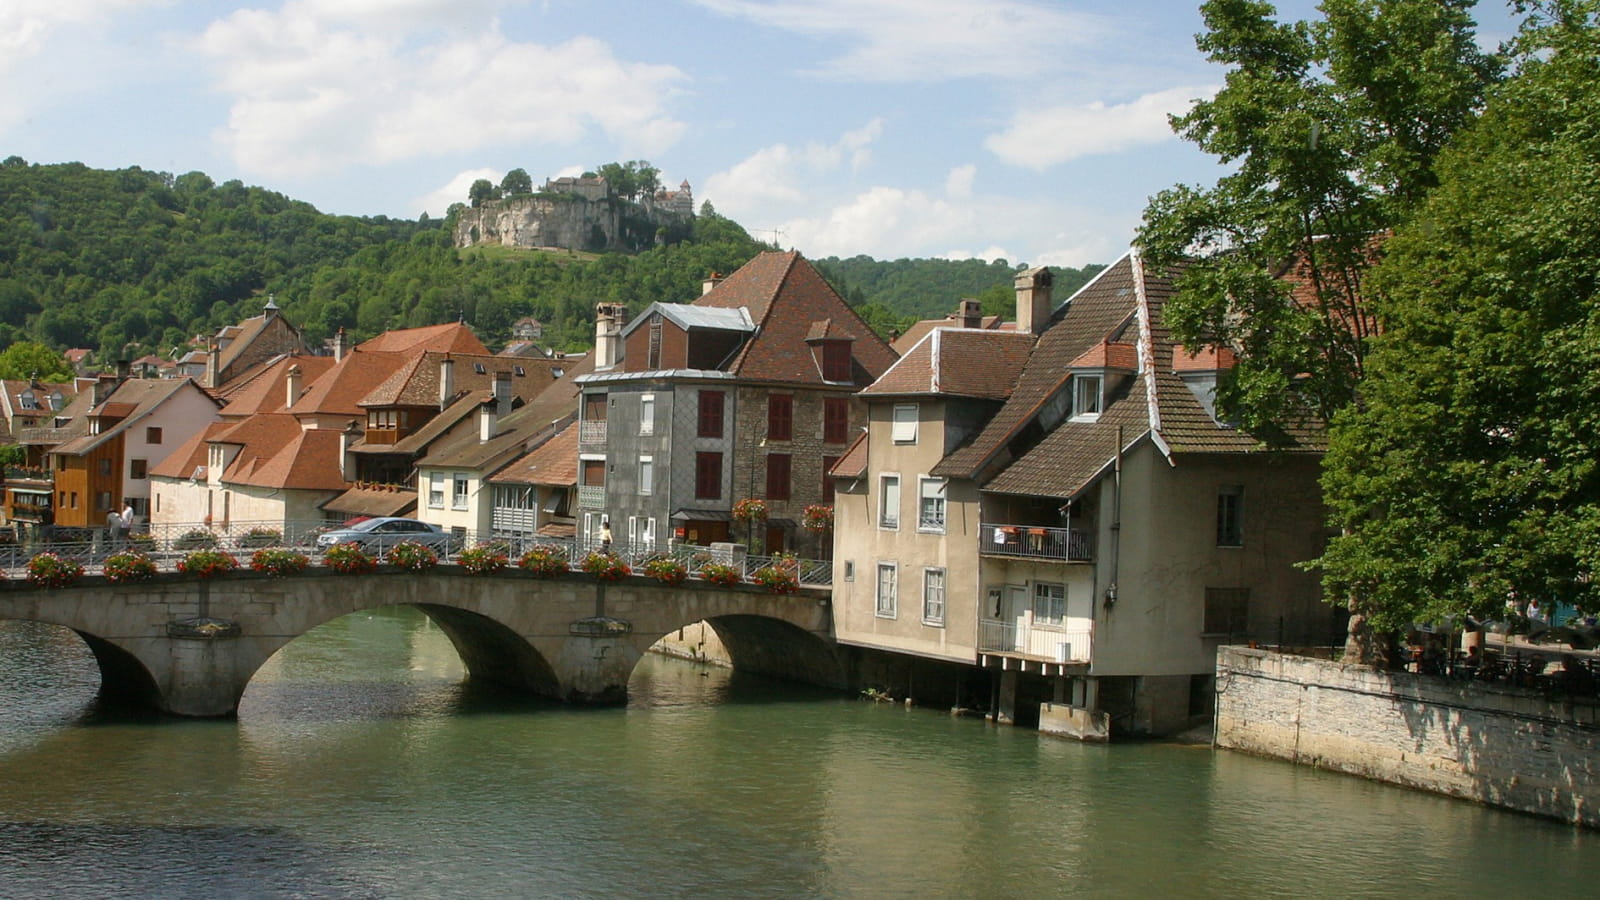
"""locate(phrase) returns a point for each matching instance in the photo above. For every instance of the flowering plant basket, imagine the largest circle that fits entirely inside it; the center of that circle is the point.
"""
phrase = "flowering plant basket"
(817, 518)
(208, 563)
(50, 570)
(348, 559)
(120, 568)
(750, 509)
(484, 559)
(279, 562)
(261, 537)
(544, 561)
(776, 579)
(412, 556)
(667, 570)
(719, 573)
(197, 539)
(604, 566)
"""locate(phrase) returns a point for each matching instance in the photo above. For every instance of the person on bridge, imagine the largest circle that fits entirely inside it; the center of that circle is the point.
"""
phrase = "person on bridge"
(113, 528)
(125, 530)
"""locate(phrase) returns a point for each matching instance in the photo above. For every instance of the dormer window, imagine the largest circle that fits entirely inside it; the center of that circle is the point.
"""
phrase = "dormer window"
(57, 401)
(1087, 396)
(519, 371)
(27, 400)
(836, 361)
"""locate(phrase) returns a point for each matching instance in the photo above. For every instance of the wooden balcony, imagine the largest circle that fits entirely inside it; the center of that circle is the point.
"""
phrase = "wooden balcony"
(1036, 542)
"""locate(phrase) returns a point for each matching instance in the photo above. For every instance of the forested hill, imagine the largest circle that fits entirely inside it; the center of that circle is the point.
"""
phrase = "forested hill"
(131, 261)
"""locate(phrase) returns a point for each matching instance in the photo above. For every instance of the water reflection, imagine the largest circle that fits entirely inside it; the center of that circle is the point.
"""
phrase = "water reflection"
(361, 765)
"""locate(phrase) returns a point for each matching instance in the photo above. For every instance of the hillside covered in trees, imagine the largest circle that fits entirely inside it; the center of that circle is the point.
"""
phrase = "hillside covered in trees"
(132, 261)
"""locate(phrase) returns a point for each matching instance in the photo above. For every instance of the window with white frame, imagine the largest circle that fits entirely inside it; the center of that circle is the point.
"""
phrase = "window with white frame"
(930, 504)
(1086, 396)
(904, 430)
(933, 596)
(888, 589)
(1049, 603)
(889, 502)
(647, 413)
(647, 533)
(458, 498)
(647, 475)
(436, 490)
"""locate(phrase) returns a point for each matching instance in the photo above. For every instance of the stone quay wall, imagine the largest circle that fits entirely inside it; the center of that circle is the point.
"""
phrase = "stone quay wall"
(1498, 745)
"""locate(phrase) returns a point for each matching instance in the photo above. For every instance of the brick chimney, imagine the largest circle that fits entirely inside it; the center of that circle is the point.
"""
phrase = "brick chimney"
(447, 380)
(711, 281)
(488, 419)
(502, 392)
(1033, 300)
(213, 364)
(971, 313)
(608, 321)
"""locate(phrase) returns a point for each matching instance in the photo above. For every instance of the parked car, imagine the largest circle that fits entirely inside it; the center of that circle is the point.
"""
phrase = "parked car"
(378, 534)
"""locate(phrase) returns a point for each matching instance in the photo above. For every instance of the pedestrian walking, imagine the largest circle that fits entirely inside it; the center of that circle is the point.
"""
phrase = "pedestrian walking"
(126, 529)
(113, 528)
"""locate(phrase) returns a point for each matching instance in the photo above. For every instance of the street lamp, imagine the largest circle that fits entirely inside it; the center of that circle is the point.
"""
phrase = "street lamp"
(750, 491)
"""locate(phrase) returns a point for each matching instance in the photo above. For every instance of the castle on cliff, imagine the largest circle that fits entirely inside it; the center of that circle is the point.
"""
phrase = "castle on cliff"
(577, 214)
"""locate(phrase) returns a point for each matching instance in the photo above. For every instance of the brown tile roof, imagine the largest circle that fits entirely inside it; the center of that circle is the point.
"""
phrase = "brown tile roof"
(518, 431)
(1108, 355)
(374, 500)
(958, 362)
(339, 390)
(133, 400)
(785, 295)
(265, 389)
(919, 330)
(1206, 359)
(452, 337)
(1011, 456)
(417, 382)
(275, 452)
(853, 464)
(189, 455)
(554, 463)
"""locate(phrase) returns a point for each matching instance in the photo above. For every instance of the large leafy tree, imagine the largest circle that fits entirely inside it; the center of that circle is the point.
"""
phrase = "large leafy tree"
(1330, 128)
(1470, 474)
(30, 359)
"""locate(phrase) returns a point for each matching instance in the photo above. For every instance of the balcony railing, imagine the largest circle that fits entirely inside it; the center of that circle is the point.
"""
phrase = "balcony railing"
(1036, 542)
(592, 496)
(592, 432)
(1024, 638)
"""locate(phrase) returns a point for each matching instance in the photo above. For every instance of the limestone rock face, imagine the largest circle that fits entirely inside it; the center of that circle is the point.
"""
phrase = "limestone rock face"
(565, 221)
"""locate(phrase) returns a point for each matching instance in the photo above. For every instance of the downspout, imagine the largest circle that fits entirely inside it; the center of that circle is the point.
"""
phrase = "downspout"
(1114, 550)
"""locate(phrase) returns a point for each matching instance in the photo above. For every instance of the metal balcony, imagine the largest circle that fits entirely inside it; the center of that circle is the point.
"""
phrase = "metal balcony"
(1035, 542)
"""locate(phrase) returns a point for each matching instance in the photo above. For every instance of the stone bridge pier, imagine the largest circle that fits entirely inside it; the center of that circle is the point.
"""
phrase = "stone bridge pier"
(190, 647)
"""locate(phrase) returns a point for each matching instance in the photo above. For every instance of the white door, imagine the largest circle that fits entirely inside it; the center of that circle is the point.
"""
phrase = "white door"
(1018, 612)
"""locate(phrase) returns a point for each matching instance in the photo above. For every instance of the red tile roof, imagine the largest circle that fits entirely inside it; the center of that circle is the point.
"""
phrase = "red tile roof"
(958, 362)
(553, 463)
(1108, 355)
(785, 296)
(452, 337)
(853, 464)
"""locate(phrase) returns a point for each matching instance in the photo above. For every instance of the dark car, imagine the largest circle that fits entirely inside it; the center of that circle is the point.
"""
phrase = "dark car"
(379, 534)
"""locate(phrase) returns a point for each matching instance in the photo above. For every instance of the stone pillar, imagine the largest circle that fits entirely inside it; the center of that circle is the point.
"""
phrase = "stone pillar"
(202, 677)
(1008, 698)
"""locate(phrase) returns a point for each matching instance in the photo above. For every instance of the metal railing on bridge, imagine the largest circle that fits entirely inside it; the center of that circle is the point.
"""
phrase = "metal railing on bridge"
(168, 543)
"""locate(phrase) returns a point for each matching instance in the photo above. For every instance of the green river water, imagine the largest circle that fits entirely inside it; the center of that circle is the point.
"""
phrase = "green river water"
(361, 766)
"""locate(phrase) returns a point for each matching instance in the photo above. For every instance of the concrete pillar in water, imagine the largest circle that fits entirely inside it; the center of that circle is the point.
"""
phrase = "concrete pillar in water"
(1008, 698)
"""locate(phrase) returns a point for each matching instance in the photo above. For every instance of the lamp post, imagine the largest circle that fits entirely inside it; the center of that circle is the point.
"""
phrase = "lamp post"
(750, 491)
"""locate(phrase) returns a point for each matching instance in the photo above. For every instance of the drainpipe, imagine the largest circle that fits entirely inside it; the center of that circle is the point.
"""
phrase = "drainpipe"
(1116, 524)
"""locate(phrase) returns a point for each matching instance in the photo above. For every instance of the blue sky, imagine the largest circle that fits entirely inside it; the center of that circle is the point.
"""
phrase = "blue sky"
(1030, 131)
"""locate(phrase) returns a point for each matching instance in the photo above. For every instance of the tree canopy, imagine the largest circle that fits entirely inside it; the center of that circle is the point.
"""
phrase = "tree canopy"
(31, 359)
(1470, 474)
(1331, 127)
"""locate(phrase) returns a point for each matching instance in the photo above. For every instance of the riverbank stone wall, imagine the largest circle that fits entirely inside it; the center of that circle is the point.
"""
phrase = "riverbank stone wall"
(1499, 745)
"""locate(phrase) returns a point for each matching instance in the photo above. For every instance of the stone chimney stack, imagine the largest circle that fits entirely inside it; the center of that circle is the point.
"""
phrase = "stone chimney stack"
(1033, 300)
(124, 369)
(971, 313)
(340, 348)
(213, 364)
(293, 391)
(447, 380)
(104, 386)
(488, 419)
(712, 280)
(608, 321)
(271, 309)
(502, 393)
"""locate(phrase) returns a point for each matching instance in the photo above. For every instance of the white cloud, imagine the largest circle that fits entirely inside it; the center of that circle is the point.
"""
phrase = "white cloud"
(29, 28)
(1039, 139)
(958, 184)
(781, 175)
(434, 203)
(928, 40)
(316, 91)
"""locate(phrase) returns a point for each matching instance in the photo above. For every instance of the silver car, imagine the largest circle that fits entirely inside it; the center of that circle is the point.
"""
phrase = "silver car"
(377, 535)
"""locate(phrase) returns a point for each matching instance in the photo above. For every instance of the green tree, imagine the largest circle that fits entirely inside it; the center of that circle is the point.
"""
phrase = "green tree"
(29, 359)
(482, 191)
(1331, 128)
(1470, 477)
(516, 182)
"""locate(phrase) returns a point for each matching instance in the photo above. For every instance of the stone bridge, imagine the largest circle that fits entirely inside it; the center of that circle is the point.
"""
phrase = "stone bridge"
(190, 647)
